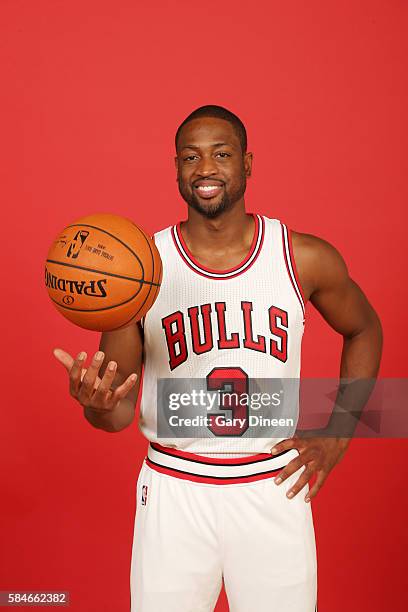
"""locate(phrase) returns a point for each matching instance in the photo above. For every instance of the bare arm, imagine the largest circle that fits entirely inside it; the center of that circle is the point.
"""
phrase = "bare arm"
(347, 310)
(108, 389)
(341, 302)
(123, 347)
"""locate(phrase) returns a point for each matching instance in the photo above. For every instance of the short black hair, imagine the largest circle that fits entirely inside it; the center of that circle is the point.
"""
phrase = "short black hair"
(212, 110)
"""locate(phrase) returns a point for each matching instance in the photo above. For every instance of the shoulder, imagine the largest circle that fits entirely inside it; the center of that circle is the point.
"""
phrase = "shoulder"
(318, 262)
(164, 231)
(314, 248)
(161, 237)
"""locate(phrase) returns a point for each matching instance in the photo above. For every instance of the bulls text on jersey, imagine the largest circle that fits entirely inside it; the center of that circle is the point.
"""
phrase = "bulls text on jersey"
(216, 335)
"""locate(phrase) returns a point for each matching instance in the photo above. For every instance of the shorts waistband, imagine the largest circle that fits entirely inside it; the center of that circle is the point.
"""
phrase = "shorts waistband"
(211, 470)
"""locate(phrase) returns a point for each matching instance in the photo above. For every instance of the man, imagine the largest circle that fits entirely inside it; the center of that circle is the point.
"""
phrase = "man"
(226, 506)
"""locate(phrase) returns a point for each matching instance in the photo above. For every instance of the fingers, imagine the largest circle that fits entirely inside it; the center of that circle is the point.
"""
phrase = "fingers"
(64, 358)
(321, 477)
(300, 483)
(317, 455)
(303, 480)
(104, 398)
(284, 446)
(292, 467)
(103, 393)
(124, 389)
(75, 374)
(86, 388)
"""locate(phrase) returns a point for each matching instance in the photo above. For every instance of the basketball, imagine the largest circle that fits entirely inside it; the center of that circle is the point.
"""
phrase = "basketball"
(103, 272)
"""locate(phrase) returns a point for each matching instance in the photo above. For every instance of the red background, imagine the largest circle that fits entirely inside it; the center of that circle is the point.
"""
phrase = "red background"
(93, 92)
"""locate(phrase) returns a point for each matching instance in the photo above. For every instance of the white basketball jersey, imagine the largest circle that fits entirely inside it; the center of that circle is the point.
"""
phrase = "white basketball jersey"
(249, 318)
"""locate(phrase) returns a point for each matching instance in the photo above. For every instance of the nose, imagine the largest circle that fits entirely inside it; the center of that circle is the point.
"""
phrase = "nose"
(207, 166)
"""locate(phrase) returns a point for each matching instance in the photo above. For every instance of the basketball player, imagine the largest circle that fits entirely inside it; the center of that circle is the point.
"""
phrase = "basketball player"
(226, 508)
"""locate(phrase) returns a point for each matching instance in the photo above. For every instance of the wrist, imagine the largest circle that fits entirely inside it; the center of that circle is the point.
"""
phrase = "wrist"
(120, 417)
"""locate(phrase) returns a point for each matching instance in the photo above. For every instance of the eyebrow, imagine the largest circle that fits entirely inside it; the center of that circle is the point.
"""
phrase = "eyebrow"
(216, 144)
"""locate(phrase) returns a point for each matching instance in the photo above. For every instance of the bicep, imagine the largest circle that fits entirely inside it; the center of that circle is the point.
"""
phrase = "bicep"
(337, 296)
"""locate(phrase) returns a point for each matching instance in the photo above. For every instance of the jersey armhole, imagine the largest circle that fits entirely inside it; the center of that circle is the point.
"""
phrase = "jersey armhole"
(291, 266)
(143, 319)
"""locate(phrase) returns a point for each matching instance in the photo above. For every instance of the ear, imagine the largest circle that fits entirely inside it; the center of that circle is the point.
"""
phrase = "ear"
(248, 163)
(176, 164)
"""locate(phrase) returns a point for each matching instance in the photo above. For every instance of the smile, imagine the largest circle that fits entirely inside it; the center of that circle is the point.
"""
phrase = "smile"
(208, 191)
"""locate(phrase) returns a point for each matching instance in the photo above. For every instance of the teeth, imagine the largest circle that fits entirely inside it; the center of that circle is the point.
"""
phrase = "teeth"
(208, 187)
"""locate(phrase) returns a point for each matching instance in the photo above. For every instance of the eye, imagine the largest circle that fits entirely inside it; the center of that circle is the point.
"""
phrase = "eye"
(223, 154)
(189, 158)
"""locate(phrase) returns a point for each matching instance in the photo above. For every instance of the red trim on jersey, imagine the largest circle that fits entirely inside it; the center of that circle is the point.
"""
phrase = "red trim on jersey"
(209, 479)
(142, 320)
(189, 259)
(292, 259)
(204, 268)
(213, 460)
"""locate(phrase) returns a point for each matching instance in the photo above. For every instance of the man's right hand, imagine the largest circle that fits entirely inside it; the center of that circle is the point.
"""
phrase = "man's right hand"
(91, 391)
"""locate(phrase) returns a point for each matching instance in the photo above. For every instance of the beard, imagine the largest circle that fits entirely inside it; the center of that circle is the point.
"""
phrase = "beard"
(210, 210)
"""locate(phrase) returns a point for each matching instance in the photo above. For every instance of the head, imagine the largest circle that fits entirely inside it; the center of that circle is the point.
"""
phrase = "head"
(212, 161)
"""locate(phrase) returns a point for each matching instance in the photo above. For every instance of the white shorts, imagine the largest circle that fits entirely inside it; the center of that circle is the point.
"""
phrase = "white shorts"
(202, 521)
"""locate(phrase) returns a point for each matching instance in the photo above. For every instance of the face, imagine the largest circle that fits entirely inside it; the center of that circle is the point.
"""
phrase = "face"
(211, 166)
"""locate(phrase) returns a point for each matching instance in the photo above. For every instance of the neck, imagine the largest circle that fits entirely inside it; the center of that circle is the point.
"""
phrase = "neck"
(233, 229)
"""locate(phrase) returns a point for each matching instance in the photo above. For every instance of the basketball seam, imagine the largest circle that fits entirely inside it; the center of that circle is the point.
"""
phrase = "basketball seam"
(97, 309)
(150, 288)
(69, 265)
(136, 313)
(141, 281)
(112, 236)
(157, 286)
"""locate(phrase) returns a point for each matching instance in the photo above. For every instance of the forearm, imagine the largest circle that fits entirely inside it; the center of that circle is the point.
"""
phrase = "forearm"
(114, 420)
(361, 353)
(360, 362)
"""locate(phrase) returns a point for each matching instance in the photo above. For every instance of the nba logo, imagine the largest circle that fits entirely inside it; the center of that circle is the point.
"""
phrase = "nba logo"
(144, 495)
(76, 244)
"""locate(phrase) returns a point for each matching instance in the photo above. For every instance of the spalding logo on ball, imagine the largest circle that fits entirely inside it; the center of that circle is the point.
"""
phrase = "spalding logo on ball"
(103, 272)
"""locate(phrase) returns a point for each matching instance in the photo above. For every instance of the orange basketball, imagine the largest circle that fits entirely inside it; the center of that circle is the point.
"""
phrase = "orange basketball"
(103, 272)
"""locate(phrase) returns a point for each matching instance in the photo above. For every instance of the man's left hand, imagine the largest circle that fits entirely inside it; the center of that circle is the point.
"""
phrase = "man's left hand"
(318, 455)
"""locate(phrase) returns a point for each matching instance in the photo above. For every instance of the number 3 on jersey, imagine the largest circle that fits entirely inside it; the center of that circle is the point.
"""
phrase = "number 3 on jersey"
(230, 382)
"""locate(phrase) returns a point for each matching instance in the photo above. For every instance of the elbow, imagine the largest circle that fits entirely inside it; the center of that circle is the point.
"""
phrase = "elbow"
(371, 327)
(376, 327)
